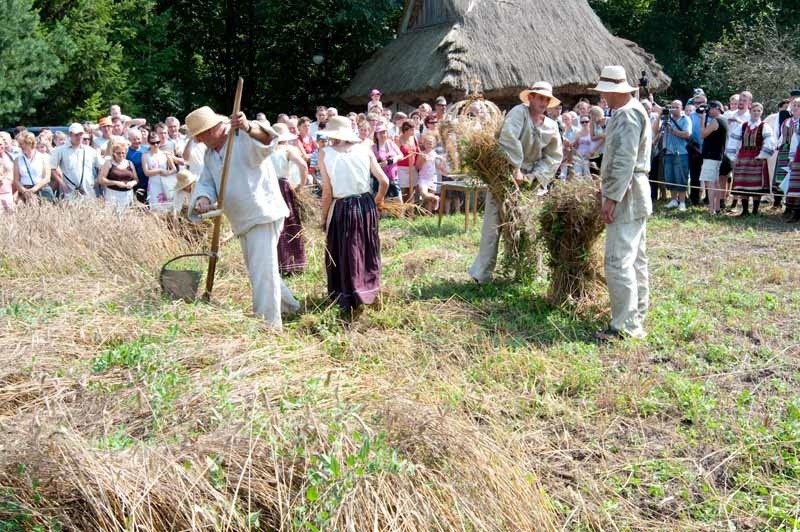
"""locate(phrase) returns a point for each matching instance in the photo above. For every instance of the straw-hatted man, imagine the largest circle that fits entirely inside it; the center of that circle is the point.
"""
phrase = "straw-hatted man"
(626, 205)
(532, 144)
(253, 202)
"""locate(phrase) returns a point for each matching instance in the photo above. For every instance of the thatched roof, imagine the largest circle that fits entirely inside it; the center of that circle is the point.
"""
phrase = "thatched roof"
(444, 45)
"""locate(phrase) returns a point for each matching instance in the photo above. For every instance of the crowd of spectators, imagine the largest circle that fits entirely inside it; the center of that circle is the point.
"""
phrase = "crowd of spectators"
(705, 152)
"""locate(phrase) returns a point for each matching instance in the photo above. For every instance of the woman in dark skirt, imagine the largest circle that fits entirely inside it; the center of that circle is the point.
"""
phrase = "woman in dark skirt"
(292, 172)
(350, 214)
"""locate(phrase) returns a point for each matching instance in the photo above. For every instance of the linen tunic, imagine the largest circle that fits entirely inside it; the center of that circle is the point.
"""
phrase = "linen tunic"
(535, 150)
(627, 162)
(252, 195)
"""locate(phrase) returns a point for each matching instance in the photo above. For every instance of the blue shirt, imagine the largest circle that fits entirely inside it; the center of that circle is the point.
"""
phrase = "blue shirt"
(135, 157)
(697, 128)
(674, 144)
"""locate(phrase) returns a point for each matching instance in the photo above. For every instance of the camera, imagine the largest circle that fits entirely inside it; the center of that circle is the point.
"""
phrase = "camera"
(665, 113)
(702, 108)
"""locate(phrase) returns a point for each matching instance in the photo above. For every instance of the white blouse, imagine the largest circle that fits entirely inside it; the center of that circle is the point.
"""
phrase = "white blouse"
(349, 170)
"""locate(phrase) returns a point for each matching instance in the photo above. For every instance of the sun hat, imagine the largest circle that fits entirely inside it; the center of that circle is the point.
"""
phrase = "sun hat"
(542, 88)
(613, 79)
(202, 119)
(283, 133)
(375, 92)
(75, 128)
(183, 179)
(104, 121)
(340, 128)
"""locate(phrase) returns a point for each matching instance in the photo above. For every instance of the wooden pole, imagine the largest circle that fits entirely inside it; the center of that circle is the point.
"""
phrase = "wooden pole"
(212, 262)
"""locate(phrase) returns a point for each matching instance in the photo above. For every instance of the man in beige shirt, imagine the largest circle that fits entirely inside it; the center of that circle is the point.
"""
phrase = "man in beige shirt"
(626, 205)
(532, 144)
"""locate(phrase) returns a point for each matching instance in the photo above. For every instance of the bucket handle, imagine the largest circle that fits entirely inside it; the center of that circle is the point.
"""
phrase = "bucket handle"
(170, 261)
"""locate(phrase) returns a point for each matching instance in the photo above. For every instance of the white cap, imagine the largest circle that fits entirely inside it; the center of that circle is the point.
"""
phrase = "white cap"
(75, 128)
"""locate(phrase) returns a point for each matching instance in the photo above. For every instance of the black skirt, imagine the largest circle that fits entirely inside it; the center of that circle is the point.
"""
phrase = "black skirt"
(353, 257)
(291, 243)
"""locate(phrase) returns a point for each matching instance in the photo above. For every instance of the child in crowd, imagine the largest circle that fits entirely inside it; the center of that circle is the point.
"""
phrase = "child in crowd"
(427, 163)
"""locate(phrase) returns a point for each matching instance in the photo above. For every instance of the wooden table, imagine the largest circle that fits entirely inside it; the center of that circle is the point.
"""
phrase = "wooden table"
(470, 191)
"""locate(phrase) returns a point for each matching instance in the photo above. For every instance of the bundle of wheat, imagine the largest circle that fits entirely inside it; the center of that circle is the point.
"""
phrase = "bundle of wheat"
(308, 204)
(570, 227)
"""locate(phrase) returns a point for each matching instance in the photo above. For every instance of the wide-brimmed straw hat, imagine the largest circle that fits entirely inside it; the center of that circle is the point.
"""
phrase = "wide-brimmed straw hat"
(283, 133)
(202, 119)
(613, 79)
(543, 88)
(183, 179)
(340, 128)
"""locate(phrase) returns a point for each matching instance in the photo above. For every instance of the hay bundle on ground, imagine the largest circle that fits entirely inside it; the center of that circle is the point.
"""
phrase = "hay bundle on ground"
(569, 227)
(481, 156)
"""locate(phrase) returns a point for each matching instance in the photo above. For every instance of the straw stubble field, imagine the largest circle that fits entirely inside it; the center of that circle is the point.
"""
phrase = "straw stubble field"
(451, 406)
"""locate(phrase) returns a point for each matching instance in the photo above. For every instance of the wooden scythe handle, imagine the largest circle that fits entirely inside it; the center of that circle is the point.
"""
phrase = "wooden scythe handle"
(212, 262)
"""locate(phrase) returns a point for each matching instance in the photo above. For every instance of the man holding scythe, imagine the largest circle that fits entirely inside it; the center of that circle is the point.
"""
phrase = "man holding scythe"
(253, 202)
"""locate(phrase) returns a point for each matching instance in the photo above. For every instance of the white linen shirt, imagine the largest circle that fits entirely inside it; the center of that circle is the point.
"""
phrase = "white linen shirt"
(348, 171)
(626, 162)
(252, 195)
(535, 150)
(74, 163)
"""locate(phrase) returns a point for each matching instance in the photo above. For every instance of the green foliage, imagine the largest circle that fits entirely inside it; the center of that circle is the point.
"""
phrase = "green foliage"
(331, 480)
(29, 66)
(751, 56)
(676, 31)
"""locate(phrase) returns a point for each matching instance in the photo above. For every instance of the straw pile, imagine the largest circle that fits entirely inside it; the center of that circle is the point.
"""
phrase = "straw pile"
(308, 205)
(569, 227)
(473, 143)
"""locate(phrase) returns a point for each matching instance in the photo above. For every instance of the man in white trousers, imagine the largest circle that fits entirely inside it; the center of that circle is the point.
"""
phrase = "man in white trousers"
(253, 202)
(626, 204)
(532, 144)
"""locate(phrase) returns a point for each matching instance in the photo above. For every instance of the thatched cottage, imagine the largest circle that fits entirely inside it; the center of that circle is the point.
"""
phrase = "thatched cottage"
(445, 46)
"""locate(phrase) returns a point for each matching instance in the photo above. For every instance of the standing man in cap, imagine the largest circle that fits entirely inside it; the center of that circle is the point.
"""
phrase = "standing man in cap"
(73, 165)
(253, 202)
(532, 144)
(626, 205)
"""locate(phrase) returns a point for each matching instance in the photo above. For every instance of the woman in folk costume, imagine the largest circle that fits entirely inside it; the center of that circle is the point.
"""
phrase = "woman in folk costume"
(292, 171)
(792, 188)
(750, 173)
(786, 132)
(352, 258)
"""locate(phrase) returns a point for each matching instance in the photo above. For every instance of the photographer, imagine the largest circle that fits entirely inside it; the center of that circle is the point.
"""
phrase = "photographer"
(695, 146)
(676, 130)
(716, 167)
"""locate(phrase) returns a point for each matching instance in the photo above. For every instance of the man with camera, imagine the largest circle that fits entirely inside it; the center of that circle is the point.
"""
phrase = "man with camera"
(676, 130)
(695, 145)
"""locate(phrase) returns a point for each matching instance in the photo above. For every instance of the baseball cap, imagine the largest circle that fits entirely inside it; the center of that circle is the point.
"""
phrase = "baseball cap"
(715, 104)
(698, 92)
(440, 100)
(75, 128)
(795, 93)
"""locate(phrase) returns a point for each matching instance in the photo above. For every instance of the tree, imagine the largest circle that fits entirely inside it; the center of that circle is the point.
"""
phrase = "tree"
(675, 31)
(756, 57)
(28, 67)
